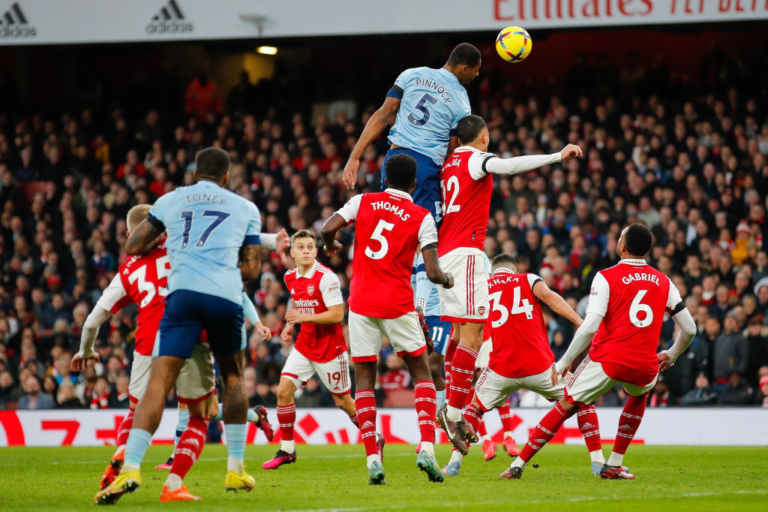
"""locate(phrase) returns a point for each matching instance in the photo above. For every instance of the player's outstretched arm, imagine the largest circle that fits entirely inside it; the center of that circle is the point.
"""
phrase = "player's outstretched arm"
(379, 120)
(684, 338)
(143, 238)
(278, 242)
(328, 234)
(91, 326)
(556, 302)
(519, 164)
(250, 261)
(432, 266)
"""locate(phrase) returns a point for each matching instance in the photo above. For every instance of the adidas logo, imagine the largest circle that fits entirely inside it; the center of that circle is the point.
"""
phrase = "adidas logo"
(587, 426)
(293, 292)
(423, 413)
(367, 424)
(14, 25)
(625, 427)
(169, 20)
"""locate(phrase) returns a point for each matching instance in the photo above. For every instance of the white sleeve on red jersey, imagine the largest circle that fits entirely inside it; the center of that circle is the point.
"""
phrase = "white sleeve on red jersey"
(518, 164)
(427, 231)
(599, 295)
(477, 164)
(330, 288)
(674, 300)
(115, 297)
(268, 241)
(349, 210)
(532, 279)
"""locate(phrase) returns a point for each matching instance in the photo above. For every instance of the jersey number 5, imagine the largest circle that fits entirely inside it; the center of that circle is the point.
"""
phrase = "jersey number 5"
(636, 307)
(139, 276)
(378, 235)
(421, 106)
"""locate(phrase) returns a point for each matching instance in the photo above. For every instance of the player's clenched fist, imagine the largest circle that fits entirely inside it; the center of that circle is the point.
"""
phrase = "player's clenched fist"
(287, 334)
(331, 250)
(448, 281)
(80, 363)
(570, 151)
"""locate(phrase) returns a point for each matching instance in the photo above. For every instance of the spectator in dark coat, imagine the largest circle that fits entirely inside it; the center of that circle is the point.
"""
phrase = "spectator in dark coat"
(757, 337)
(731, 352)
(35, 398)
(737, 392)
(702, 394)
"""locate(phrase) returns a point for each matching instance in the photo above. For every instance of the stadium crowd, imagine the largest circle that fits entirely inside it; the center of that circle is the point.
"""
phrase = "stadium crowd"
(689, 158)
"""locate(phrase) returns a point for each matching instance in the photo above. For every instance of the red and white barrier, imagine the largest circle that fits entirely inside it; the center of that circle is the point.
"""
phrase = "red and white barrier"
(676, 426)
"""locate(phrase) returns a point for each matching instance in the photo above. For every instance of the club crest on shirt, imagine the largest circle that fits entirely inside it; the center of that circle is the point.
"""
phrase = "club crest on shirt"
(481, 310)
(310, 289)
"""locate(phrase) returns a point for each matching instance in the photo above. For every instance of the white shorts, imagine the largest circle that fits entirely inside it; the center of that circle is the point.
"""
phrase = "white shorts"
(590, 382)
(404, 333)
(468, 300)
(484, 354)
(334, 373)
(196, 380)
(493, 390)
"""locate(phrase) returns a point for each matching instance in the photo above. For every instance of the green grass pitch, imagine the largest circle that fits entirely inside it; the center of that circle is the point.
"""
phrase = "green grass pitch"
(334, 478)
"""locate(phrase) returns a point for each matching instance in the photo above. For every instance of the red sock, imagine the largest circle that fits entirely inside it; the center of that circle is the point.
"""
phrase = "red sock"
(449, 353)
(462, 371)
(365, 403)
(474, 415)
(426, 407)
(506, 418)
(590, 428)
(629, 422)
(286, 416)
(124, 429)
(544, 432)
(190, 446)
(354, 421)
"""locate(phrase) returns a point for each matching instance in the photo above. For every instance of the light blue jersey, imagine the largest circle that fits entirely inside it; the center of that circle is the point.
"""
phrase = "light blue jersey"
(207, 225)
(426, 289)
(433, 102)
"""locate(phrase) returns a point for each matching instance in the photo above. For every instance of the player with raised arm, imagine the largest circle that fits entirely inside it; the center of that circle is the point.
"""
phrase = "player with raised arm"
(625, 314)
(521, 357)
(467, 185)
(213, 245)
(320, 347)
(423, 107)
(389, 228)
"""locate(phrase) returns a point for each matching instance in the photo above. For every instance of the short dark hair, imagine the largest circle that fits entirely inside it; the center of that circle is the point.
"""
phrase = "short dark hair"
(504, 260)
(638, 240)
(470, 128)
(401, 171)
(212, 163)
(464, 54)
(302, 233)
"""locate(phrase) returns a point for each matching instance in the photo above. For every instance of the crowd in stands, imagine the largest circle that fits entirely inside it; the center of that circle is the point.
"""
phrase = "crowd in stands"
(689, 158)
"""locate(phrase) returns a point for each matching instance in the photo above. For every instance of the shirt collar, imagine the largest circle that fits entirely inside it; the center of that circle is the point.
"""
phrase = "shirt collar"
(399, 193)
(449, 75)
(465, 148)
(309, 274)
(630, 261)
(502, 270)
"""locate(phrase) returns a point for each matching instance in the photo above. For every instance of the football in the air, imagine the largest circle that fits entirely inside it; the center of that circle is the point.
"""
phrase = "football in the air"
(514, 44)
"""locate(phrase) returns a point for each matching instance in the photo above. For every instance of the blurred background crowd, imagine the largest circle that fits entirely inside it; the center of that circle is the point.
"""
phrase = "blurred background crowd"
(687, 156)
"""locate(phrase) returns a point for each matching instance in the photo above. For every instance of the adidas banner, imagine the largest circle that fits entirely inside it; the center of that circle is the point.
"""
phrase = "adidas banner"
(25, 22)
(674, 426)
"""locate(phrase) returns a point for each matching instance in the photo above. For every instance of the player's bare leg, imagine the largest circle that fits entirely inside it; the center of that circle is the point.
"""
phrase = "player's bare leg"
(181, 424)
(436, 361)
(462, 372)
(543, 433)
(426, 410)
(365, 404)
(286, 417)
(188, 450)
(235, 415)
(147, 417)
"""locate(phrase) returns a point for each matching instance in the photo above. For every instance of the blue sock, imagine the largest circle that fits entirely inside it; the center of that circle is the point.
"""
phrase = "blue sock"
(181, 425)
(251, 414)
(236, 440)
(136, 447)
(440, 399)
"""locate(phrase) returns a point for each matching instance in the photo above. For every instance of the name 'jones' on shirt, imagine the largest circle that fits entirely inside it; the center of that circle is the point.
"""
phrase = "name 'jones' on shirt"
(386, 205)
(640, 277)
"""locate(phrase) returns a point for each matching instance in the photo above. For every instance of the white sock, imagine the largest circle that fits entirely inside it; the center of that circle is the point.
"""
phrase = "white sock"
(128, 466)
(428, 447)
(287, 446)
(519, 463)
(485, 438)
(119, 449)
(456, 456)
(616, 459)
(454, 414)
(373, 458)
(597, 456)
(508, 433)
(236, 465)
(173, 482)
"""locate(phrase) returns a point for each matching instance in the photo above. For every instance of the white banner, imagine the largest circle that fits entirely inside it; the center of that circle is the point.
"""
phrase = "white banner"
(674, 426)
(25, 22)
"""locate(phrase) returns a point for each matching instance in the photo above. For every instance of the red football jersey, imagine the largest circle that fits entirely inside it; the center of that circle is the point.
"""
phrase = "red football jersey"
(311, 294)
(143, 280)
(389, 229)
(467, 188)
(632, 298)
(520, 343)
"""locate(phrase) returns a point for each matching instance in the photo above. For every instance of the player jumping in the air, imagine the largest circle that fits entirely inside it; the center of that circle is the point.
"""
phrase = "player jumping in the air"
(467, 186)
(213, 245)
(389, 228)
(423, 107)
(521, 357)
(320, 347)
(625, 314)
